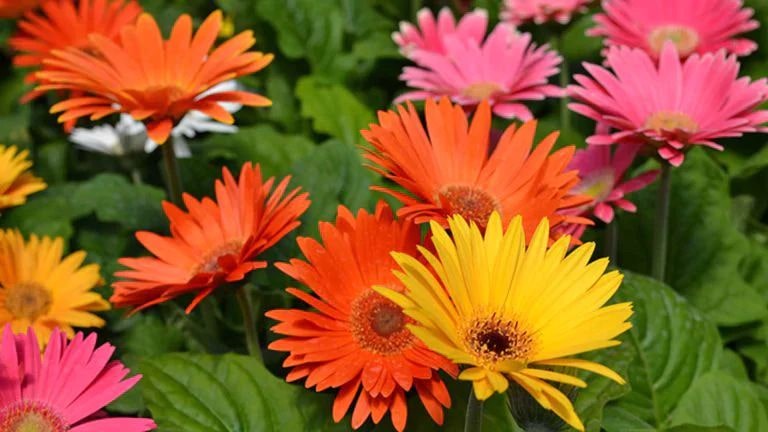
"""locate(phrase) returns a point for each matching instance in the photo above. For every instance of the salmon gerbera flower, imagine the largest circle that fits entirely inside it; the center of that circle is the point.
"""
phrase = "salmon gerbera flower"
(16, 8)
(509, 312)
(431, 32)
(540, 11)
(61, 24)
(694, 26)
(671, 105)
(213, 243)
(65, 388)
(154, 80)
(16, 182)
(449, 168)
(356, 340)
(42, 289)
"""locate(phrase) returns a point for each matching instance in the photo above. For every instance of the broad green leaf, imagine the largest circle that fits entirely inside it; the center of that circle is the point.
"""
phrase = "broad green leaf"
(114, 199)
(49, 212)
(575, 45)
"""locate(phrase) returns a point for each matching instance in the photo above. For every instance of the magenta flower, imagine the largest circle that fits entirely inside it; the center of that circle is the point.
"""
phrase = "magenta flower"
(63, 389)
(673, 105)
(504, 69)
(430, 33)
(694, 26)
(540, 11)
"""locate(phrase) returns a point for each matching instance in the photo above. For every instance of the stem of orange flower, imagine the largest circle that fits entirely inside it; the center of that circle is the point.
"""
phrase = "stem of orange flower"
(661, 232)
(249, 323)
(474, 419)
(612, 242)
(172, 176)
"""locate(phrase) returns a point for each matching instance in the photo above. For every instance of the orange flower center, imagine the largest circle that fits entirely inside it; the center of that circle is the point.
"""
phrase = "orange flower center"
(378, 325)
(494, 339)
(210, 262)
(28, 416)
(685, 39)
(471, 203)
(481, 90)
(27, 300)
(671, 121)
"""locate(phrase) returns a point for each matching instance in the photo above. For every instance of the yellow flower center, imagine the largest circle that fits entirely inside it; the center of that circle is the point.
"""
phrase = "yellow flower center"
(685, 39)
(671, 121)
(494, 339)
(378, 325)
(210, 262)
(27, 300)
(31, 417)
(471, 203)
(481, 90)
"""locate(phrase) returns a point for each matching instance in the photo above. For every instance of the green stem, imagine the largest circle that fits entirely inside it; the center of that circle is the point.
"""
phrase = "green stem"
(661, 231)
(612, 242)
(172, 176)
(249, 323)
(474, 419)
(565, 113)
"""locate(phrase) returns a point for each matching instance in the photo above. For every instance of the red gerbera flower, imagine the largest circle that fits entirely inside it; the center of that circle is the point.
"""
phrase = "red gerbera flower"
(357, 341)
(16, 8)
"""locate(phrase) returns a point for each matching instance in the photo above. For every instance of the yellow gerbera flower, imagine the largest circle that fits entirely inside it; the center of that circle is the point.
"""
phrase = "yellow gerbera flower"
(15, 181)
(510, 312)
(40, 289)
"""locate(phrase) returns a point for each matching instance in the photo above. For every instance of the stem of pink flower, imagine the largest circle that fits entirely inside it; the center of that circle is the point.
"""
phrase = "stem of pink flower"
(565, 113)
(612, 242)
(661, 231)
(249, 323)
(474, 418)
(172, 176)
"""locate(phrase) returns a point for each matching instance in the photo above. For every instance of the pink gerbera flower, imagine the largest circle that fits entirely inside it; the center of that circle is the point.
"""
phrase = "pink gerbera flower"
(63, 389)
(504, 69)
(430, 33)
(694, 26)
(540, 11)
(673, 105)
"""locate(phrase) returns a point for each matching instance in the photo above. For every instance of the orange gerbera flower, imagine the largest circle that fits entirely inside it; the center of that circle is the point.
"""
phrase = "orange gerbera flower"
(213, 243)
(16, 8)
(450, 168)
(62, 24)
(357, 340)
(154, 80)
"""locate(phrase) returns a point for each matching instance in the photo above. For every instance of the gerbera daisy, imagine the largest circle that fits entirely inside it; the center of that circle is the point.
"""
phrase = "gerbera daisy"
(154, 80)
(602, 178)
(62, 24)
(213, 242)
(431, 32)
(449, 168)
(16, 8)
(505, 69)
(16, 182)
(509, 312)
(42, 289)
(65, 388)
(540, 11)
(673, 105)
(356, 341)
(694, 26)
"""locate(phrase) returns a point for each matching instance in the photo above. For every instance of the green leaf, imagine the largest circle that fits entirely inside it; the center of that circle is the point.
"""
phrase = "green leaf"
(575, 45)
(49, 212)
(229, 393)
(334, 110)
(116, 200)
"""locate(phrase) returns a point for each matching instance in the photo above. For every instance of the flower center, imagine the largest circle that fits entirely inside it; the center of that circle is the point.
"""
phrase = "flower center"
(685, 39)
(481, 90)
(28, 416)
(597, 185)
(494, 339)
(671, 121)
(471, 203)
(210, 262)
(27, 300)
(378, 325)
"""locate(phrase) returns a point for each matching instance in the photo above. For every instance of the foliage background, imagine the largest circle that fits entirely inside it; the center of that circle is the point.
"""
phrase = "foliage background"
(696, 359)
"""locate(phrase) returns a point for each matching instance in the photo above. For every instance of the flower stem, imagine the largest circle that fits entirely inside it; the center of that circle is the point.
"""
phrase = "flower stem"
(474, 419)
(660, 234)
(612, 242)
(565, 113)
(172, 176)
(249, 323)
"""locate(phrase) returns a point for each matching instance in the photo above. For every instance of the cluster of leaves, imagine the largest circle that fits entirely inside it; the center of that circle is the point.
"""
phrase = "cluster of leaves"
(695, 359)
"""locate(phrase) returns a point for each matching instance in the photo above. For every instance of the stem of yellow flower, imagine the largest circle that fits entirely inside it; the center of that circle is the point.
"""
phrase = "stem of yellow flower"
(249, 323)
(172, 176)
(474, 418)
(661, 231)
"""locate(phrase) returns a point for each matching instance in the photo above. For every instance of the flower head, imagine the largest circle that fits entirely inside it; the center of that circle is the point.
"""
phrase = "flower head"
(213, 243)
(540, 11)
(504, 69)
(62, 389)
(16, 8)
(672, 105)
(42, 289)
(509, 312)
(431, 33)
(62, 24)
(16, 182)
(449, 168)
(356, 340)
(154, 80)
(693, 26)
